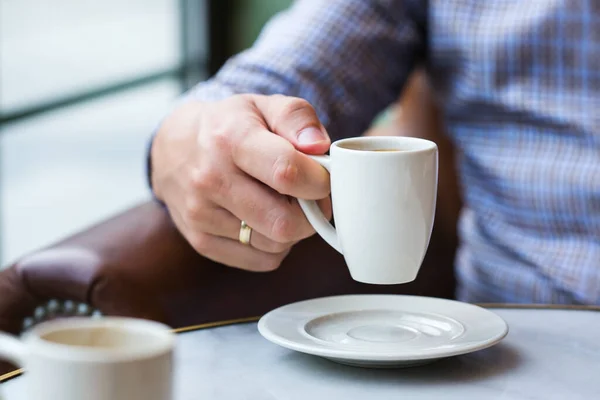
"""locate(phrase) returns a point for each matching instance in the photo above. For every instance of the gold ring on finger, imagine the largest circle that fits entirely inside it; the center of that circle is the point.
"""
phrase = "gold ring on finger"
(245, 233)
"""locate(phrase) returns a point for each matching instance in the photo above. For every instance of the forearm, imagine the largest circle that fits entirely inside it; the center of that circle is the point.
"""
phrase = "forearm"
(348, 58)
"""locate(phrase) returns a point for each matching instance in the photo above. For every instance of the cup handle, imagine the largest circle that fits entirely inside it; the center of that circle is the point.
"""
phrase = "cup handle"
(315, 215)
(12, 349)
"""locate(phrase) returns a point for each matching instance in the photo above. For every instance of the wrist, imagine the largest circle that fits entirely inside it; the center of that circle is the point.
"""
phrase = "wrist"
(174, 138)
(150, 168)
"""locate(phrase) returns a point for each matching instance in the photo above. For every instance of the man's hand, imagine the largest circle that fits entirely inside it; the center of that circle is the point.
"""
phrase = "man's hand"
(216, 164)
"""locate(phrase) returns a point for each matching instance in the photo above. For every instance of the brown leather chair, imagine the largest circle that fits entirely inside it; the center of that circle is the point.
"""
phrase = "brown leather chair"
(137, 264)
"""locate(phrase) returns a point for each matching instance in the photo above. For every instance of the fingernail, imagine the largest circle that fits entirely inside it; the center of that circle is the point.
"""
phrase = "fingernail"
(311, 135)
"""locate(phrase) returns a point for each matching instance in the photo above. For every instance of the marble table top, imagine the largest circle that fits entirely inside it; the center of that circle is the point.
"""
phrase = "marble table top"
(548, 354)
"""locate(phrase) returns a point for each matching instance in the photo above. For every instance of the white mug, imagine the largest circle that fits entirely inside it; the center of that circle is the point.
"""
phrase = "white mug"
(383, 191)
(107, 358)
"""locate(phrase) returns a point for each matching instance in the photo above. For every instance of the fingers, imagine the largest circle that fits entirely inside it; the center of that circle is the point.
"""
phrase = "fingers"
(277, 221)
(222, 223)
(280, 166)
(234, 254)
(326, 207)
(271, 215)
(266, 211)
(214, 220)
(227, 251)
(295, 120)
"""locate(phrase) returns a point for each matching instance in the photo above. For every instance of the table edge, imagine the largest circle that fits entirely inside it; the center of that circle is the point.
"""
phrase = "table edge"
(208, 325)
(517, 306)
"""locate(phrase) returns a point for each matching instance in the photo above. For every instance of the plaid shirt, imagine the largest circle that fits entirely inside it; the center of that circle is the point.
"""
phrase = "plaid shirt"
(520, 85)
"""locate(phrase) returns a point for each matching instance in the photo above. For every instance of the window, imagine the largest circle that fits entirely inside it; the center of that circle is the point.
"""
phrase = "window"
(82, 85)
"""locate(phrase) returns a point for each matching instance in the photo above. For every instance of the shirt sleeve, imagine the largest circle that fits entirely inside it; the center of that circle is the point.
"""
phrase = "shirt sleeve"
(348, 58)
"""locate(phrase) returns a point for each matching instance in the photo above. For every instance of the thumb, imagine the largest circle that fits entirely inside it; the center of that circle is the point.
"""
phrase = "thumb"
(295, 120)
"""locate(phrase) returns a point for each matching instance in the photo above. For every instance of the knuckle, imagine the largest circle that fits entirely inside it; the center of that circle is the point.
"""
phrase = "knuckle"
(285, 173)
(221, 138)
(283, 228)
(197, 178)
(292, 114)
(296, 105)
(209, 180)
(228, 135)
(243, 135)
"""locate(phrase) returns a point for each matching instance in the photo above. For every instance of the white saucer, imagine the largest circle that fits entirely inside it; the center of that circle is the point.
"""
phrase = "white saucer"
(382, 330)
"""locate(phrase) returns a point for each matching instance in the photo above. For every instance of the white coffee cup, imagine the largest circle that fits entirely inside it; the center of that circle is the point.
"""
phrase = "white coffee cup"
(383, 205)
(107, 358)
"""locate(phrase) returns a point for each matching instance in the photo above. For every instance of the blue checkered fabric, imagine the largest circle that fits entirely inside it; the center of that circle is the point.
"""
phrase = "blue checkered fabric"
(519, 82)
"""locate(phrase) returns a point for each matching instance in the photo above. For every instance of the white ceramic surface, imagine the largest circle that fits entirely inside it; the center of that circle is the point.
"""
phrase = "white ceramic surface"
(382, 330)
(94, 359)
(383, 206)
(548, 355)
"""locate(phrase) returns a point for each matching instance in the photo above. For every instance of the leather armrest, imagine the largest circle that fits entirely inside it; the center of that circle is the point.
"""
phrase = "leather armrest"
(137, 264)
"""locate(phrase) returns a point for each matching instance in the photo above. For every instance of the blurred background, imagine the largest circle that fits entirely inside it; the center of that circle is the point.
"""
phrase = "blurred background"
(82, 86)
